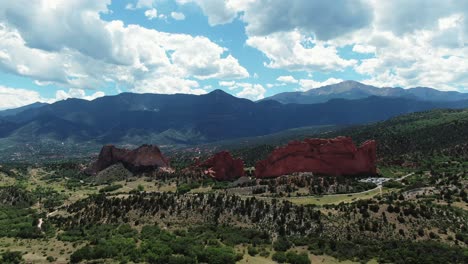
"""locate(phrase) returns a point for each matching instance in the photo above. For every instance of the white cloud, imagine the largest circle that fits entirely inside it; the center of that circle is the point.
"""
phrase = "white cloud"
(227, 84)
(363, 48)
(326, 19)
(14, 97)
(80, 50)
(416, 59)
(402, 17)
(287, 79)
(251, 91)
(146, 4)
(151, 13)
(218, 12)
(247, 90)
(168, 85)
(76, 93)
(17, 97)
(177, 16)
(417, 43)
(307, 84)
(295, 52)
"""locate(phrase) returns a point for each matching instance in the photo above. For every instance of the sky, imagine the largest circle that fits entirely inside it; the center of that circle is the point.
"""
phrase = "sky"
(52, 50)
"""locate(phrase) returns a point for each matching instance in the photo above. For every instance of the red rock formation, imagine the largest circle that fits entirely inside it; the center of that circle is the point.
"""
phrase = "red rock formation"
(222, 166)
(144, 158)
(338, 156)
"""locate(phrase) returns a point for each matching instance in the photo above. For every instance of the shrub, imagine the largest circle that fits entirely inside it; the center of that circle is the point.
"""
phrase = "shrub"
(183, 188)
(218, 255)
(295, 258)
(12, 257)
(110, 188)
(281, 244)
(252, 251)
(279, 257)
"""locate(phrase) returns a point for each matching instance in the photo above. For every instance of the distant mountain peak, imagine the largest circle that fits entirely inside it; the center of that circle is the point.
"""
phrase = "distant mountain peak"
(219, 92)
(14, 111)
(351, 89)
(351, 82)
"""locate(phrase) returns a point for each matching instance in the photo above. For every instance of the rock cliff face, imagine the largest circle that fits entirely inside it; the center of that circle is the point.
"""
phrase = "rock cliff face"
(338, 156)
(222, 166)
(144, 158)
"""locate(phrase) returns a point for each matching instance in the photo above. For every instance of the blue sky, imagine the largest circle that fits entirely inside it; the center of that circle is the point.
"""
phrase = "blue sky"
(56, 49)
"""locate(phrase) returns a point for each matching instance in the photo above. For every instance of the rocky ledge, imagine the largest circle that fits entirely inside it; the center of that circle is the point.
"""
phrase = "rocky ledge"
(337, 156)
(144, 158)
(222, 166)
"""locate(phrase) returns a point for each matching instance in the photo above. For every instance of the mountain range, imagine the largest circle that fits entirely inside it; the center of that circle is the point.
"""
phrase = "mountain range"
(187, 120)
(357, 90)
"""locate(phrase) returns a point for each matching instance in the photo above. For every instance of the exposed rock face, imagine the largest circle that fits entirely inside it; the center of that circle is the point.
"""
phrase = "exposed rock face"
(338, 156)
(144, 158)
(222, 166)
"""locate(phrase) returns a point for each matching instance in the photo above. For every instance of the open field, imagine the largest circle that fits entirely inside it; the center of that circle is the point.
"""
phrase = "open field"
(336, 198)
(313, 258)
(37, 250)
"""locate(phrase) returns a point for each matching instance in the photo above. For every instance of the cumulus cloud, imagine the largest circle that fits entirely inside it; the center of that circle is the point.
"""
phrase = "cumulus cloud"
(168, 85)
(62, 24)
(14, 97)
(414, 60)
(177, 16)
(80, 50)
(227, 84)
(140, 4)
(296, 52)
(401, 17)
(307, 84)
(413, 43)
(218, 12)
(363, 48)
(17, 97)
(151, 13)
(246, 90)
(326, 19)
(75, 93)
(264, 17)
(287, 79)
(251, 91)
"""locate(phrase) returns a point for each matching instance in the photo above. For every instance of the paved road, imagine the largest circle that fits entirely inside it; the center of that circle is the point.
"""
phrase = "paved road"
(378, 186)
(340, 194)
(407, 175)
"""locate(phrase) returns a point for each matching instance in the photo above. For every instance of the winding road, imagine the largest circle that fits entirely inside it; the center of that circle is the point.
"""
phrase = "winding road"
(340, 194)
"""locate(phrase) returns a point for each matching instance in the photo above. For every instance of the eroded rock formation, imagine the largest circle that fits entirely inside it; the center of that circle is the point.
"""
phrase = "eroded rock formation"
(222, 166)
(144, 158)
(337, 156)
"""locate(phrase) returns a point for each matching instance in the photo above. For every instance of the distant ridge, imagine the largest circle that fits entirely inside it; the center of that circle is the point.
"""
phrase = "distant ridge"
(357, 90)
(15, 111)
(186, 120)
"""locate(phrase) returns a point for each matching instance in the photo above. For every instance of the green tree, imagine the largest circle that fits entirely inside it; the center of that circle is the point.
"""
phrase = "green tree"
(12, 257)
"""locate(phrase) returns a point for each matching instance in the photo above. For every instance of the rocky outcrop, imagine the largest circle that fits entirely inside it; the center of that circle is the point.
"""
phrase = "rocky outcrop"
(222, 166)
(144, 158)
(337, 156)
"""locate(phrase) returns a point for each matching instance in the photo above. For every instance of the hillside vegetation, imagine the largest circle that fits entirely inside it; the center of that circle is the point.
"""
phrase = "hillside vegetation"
(435, 132)
(417, 133)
